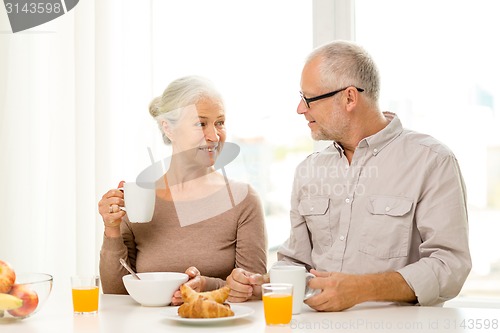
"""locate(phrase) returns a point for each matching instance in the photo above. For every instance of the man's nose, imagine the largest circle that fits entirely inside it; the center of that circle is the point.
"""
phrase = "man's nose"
(302, 107)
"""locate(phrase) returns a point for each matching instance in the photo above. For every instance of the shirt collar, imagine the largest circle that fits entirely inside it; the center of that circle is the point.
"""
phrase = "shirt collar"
(338, 147)
(378, 141)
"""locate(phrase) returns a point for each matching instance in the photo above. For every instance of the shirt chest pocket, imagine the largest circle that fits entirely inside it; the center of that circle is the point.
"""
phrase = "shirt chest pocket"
(386, 231)
(316, 213)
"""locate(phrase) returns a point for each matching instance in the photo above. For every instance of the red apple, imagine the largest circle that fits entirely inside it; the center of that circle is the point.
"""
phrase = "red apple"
(29, 297)
(7, 277)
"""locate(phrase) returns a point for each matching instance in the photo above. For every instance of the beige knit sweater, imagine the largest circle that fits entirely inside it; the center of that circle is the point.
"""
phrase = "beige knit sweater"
(175, 239)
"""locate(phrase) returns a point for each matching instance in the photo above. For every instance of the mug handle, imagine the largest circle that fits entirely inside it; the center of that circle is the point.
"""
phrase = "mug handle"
(122, 208)
(309, 292)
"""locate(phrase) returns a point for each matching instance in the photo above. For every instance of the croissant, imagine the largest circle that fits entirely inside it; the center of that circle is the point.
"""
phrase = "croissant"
(218, 296)
(204, 305)
(204, 309)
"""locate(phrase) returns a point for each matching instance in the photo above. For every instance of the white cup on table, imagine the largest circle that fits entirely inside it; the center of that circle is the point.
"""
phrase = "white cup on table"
(299, 277)
(139, 202)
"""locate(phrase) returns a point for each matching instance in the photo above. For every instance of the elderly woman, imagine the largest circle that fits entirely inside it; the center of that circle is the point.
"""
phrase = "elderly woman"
(202, 221)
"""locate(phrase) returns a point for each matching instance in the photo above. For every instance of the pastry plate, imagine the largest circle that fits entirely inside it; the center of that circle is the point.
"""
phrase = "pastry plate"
(240, 311)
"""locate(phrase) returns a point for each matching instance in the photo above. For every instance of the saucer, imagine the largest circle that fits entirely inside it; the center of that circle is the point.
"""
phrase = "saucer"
(240, 311)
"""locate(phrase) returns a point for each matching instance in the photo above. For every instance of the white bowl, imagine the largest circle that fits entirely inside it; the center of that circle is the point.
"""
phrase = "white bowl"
(154, 288)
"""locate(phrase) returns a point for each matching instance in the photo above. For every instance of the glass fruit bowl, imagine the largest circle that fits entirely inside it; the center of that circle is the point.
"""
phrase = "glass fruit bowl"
(26, 296)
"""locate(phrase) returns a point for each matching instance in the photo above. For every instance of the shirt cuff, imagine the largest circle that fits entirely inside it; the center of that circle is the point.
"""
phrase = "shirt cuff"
(423, 281)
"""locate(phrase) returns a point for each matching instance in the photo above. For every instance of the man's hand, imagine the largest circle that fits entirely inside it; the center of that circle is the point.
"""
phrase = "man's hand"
(341, 291)
(245, 285)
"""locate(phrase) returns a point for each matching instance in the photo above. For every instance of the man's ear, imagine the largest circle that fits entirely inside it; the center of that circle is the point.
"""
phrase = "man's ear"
(352, 96)
(167, 129)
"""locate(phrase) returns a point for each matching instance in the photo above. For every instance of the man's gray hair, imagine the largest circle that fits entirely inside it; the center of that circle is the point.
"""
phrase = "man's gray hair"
(344, 64)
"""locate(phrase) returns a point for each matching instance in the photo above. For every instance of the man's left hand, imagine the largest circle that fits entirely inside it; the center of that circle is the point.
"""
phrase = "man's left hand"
(340, 291)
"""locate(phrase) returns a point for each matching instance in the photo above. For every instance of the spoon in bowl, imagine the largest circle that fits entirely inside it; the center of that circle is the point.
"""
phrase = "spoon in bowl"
(127, 267)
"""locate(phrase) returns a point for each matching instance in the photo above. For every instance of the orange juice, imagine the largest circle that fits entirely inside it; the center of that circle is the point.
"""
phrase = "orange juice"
(85, 299)
(277, 308)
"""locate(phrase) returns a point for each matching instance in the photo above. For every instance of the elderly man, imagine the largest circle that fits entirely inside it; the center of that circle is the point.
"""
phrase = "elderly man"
(379, 215)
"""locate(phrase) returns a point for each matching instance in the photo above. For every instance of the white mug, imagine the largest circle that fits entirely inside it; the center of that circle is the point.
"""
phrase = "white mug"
(139, 202)
(297, 276)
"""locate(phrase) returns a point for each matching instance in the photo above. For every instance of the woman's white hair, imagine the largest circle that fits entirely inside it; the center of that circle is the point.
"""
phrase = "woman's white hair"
(179, 94)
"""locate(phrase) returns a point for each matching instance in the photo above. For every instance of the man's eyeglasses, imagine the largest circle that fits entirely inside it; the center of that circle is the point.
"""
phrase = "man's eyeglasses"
(330, 94)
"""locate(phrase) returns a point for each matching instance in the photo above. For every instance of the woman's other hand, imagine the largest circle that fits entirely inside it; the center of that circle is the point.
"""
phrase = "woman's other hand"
(245, 285)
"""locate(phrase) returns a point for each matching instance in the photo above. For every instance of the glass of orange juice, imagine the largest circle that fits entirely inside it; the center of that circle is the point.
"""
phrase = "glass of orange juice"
(278, 302)
(85, 293)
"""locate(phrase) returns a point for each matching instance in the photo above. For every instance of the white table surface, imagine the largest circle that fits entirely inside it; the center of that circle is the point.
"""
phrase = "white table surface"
(120, 314)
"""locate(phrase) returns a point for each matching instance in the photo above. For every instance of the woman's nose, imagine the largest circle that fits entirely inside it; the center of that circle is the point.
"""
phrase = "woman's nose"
(211, 134)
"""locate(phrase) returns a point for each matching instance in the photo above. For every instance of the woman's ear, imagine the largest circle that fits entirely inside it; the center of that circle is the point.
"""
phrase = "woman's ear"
(167, 129)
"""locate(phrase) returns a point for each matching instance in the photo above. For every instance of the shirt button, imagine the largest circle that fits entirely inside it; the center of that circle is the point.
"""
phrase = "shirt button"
(375, 150)
(387, 208)
(311, 209)
(341, 238)
(347, 200)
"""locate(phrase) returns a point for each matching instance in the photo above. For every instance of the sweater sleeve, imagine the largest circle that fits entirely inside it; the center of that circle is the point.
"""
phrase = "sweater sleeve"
(213, 283)
(251, 241)
(110, 269)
